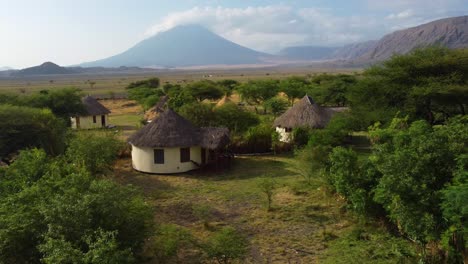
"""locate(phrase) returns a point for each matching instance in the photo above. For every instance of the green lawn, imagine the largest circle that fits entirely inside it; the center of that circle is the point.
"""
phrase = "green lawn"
(306, 225)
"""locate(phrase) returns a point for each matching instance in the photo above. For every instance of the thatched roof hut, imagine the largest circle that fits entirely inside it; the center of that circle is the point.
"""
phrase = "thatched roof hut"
(306, 113)
(171, 144)
(93, 107)
(157, 109)
(170, 129)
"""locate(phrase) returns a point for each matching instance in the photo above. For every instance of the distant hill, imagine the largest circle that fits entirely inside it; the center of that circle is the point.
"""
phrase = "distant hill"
(47, 68)
(307, 52)
(188, 45)
(449, 32)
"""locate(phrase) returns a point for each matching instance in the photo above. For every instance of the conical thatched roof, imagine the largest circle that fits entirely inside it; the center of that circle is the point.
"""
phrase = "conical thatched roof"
(157, 109)
(169, 129)
(223, 101)
(305, 113)
(93, 107)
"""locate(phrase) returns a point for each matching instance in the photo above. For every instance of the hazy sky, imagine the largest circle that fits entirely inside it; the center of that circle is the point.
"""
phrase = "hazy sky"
(73, 31)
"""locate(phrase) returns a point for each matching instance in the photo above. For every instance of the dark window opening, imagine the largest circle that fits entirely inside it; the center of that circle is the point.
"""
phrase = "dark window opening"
(184, 154)
(159, 156)
(288, 129)
(94, 119)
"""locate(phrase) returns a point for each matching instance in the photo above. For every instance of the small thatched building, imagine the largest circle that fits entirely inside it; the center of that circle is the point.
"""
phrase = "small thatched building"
(171, 144)
(157, 109)
(96, 115)
(305, 113)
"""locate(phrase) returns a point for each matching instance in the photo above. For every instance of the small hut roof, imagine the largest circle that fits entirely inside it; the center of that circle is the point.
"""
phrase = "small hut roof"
(158, 108)
(305, 113)
(169, 129)
(93, 107)
(223, 101)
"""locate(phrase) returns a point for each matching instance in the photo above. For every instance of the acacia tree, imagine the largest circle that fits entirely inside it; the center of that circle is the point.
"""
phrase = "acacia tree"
(428, 84)
(294, 87)
(205, 89)
(258, 91)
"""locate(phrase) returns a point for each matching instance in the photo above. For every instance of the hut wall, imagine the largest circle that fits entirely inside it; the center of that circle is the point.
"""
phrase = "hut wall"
(86, 122)
(283, 135)
(143, 160)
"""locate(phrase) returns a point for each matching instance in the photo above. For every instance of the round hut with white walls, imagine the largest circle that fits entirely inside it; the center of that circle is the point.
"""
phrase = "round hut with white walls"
(305, 113)
(171, 144)
(95, 115)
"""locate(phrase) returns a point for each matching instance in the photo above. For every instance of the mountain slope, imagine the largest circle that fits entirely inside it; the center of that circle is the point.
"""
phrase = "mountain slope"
(448, 32)
(188, 45)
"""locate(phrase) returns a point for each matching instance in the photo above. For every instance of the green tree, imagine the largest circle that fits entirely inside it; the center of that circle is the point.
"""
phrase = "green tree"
(200, 114)
(205, 90)
(96, 152)
(258, 91)
(234, 118)
(25, 127)
(59, 212)
(332, 89)
(294, 87)
(267, 186)
(228, 85)
(429, 83)
(276, 105)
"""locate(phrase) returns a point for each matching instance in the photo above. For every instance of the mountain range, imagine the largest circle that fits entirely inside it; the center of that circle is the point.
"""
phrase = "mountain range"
(194, 45)
(448, 32)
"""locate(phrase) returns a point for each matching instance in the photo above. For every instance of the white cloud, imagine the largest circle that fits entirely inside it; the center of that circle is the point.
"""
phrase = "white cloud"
(270, 28)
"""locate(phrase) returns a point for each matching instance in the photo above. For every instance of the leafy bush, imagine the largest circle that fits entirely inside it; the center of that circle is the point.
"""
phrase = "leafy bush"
(277, 106)
(234, 118)
(267, 185)
(64, 213)
(96, 152)
(25, 127)
(226, 245)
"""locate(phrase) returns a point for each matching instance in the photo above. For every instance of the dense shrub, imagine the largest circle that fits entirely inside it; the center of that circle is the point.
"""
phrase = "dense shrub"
(58, 211)
(234, 118)
(25, 127)
(96, 152)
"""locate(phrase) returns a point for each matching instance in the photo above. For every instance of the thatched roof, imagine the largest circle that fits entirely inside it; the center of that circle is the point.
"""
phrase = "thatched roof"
(307, 113)
(157, 109)
(169, 129)
(93, 107)
(223, 101)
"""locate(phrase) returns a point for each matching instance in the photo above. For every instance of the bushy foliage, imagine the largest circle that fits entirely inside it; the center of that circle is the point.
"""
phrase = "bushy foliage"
(294, 87)
(145, 92)
(276, 105)
(226, 245)
(334, 133)
(205, 90)
(331, 89)
(429, 84)
(200, 114)
(62, 102)
(25, 127)
(58, 211)
(301, 135)
(234, 118)
(96, 152)
(258, 91)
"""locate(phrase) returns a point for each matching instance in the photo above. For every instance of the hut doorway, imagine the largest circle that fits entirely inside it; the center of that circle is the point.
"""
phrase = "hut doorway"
(103, 120)
(203, 156)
